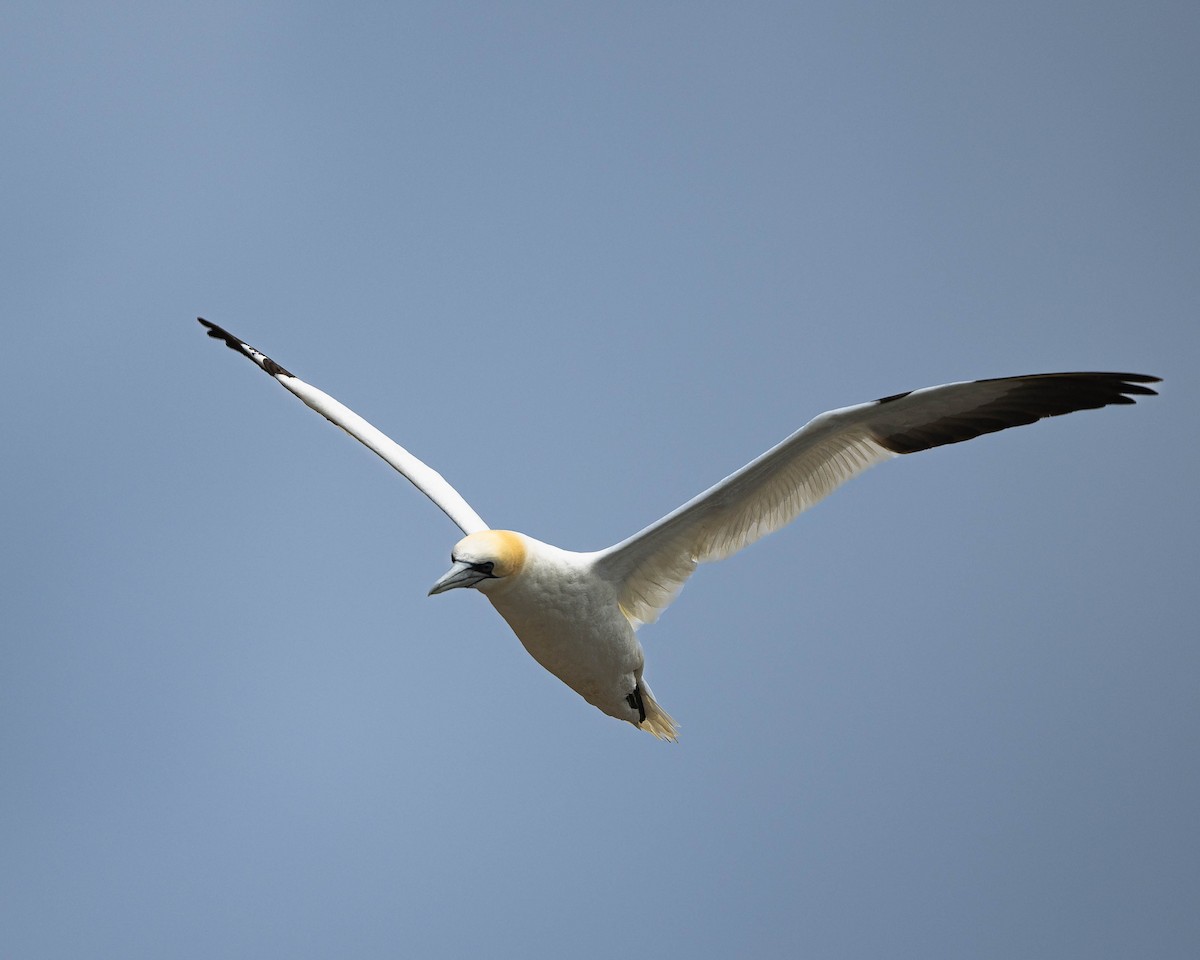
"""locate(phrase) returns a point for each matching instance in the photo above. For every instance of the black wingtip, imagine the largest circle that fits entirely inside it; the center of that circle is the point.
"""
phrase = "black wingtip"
(233, 343)
(1024, 400)
(1133, 379)
(218, 333)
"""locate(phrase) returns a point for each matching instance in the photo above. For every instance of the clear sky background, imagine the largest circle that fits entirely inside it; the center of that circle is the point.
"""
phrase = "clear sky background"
(586, 259)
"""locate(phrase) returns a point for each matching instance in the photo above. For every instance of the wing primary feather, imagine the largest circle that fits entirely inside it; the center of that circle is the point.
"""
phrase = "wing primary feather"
(423, 477)
(999, 404)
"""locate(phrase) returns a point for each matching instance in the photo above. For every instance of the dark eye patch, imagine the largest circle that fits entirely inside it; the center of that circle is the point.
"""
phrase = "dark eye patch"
(487, 567)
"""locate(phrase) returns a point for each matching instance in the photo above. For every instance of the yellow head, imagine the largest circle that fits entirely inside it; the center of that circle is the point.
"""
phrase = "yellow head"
(480, 558)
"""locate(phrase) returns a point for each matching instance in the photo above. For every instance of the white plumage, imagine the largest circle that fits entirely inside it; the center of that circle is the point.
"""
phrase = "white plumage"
(577, 613)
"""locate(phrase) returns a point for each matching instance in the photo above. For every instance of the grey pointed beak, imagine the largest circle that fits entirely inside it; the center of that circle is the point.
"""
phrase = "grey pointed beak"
(459, 575)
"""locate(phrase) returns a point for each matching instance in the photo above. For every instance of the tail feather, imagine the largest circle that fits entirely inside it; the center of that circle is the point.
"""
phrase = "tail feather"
(658, 721)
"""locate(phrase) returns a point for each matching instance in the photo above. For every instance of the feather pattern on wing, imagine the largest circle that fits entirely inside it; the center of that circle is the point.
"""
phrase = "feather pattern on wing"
(421, 475)
(649, 568)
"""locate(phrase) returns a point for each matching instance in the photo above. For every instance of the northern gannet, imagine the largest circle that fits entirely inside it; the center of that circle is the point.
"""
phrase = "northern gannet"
(577, 613)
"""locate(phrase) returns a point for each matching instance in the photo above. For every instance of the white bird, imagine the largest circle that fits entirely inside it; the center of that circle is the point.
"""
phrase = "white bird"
(577, 613)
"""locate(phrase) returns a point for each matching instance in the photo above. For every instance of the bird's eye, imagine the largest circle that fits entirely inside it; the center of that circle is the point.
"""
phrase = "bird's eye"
(487, 567)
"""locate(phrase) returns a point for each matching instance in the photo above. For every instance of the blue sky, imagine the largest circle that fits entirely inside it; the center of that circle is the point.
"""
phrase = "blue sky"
(586, 260)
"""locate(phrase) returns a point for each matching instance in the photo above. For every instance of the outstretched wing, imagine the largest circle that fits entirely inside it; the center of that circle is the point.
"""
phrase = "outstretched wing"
(650, 567)
(427, 480)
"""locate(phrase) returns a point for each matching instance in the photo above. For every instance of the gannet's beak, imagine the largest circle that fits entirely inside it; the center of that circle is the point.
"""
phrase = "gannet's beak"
(460, 575)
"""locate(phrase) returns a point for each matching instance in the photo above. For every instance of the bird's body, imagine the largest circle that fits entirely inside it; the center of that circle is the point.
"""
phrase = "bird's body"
(577, 613)
(568, 616)
(569, 619)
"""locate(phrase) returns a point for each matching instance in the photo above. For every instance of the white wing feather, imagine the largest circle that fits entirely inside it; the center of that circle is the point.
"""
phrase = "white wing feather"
(650, 568)
(423, 477)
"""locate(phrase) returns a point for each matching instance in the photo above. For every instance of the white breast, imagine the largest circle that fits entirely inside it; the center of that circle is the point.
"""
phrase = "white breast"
(568, 619)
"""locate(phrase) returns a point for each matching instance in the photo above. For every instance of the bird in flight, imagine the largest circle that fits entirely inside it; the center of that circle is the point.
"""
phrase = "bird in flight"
(577, 613)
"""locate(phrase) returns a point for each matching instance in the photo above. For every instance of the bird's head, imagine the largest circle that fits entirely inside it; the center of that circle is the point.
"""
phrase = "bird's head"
(483, 560)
